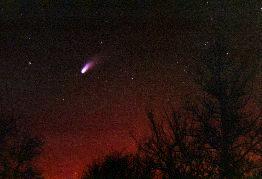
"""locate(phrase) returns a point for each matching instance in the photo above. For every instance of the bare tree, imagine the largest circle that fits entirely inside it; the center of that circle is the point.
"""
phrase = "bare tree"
(224, 121)
(228, 125)
(219, 131)
(175, 149)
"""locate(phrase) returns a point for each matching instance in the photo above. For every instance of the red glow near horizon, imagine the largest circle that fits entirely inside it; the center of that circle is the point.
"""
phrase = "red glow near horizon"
(66, 155)
(70, 159)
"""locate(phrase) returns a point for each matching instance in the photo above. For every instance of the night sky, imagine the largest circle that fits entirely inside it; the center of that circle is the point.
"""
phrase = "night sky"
(140, 59)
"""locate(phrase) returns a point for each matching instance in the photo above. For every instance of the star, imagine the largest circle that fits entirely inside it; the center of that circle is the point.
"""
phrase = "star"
(206, 43)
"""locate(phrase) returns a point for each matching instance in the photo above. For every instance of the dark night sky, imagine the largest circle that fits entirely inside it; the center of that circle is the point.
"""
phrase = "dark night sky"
(142, 56)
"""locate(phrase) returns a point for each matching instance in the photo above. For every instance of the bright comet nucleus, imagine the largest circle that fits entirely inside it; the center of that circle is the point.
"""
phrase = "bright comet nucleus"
(87, 67)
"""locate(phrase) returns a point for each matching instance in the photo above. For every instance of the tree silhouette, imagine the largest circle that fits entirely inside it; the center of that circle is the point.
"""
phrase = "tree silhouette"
(219, 131)
(228, 125)
(174, 147)
(17, 150)
(117, 165)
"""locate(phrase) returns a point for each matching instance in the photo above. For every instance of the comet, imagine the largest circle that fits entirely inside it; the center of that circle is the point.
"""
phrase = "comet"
(87, 67)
